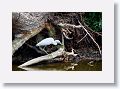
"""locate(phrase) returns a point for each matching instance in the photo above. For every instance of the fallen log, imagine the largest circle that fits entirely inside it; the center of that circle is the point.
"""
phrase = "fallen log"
(53, 55)
(59, 52)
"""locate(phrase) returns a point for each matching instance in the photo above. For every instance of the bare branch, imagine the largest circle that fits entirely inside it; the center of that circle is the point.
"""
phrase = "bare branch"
(66, 36)
(79, 26)
(59, 52)
(90, 36)
(64, 33)
(74, 26)
(88, 26)
(82, 39)
(93, 31)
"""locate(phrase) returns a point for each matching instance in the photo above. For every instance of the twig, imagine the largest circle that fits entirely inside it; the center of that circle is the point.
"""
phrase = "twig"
(66, 36)
(74, 26)
(68, 31)
(65, 31)
(87, 26)
(82, 39)
(93, 30)
(90, 36)
(79, 26)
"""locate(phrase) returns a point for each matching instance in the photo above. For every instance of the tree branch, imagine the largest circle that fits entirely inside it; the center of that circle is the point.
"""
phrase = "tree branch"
(79, 26)
(82, 39)
(66, 36)
(59, 52)
(64, 25)
(90, 36)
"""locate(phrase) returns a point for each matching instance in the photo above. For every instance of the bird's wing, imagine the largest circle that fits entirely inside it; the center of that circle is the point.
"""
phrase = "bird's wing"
(46, 41)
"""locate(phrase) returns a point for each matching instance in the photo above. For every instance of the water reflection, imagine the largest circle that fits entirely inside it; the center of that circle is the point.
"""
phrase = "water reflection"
(83, 65)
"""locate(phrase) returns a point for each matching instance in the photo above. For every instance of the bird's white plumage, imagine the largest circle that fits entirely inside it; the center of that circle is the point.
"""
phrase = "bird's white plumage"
(48, 41)
(57, 41)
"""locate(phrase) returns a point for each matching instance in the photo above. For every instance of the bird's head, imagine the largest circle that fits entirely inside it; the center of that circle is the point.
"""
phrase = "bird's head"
(58, 42)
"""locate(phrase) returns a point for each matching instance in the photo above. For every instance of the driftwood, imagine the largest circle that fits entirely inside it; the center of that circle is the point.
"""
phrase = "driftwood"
(53, 55)
(59, 52)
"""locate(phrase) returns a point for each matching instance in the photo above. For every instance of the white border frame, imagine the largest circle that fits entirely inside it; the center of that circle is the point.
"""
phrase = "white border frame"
(104, 76)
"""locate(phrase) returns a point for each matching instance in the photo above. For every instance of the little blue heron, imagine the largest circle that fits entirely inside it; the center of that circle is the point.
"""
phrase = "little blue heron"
(46, 42)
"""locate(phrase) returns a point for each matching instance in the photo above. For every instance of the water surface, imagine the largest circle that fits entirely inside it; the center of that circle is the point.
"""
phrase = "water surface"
(83, 65)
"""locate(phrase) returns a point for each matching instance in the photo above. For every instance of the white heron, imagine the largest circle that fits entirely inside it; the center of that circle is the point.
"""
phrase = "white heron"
(46, 42)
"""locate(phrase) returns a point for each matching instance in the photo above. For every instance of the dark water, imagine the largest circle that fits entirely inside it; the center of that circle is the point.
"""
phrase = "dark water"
(83, 65)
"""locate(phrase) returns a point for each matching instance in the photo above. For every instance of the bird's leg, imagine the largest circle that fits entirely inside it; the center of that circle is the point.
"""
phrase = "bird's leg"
(44, 47)
(45, 51)
(42, 50)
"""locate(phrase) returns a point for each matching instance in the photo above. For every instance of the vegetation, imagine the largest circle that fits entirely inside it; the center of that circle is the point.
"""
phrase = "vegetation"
(94, 20)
